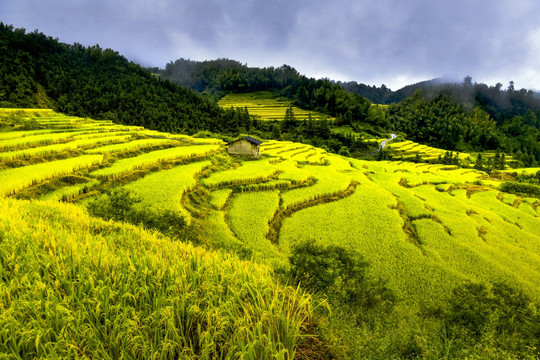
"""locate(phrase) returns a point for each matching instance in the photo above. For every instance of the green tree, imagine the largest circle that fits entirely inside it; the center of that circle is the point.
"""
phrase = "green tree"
(479, 163)
(340, 273)
(289, 120)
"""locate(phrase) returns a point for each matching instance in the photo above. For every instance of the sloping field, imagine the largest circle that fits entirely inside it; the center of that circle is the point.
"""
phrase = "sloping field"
(73, 286)
(424, 228)
(408, 150)
(264, 105)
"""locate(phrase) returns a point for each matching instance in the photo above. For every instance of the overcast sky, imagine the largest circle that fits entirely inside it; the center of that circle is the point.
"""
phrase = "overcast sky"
(391, 42)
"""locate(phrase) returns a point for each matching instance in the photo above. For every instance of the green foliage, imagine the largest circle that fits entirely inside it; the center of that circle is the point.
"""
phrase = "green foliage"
(218, 76)
(344, 151)
(340, 273)
(504, 314)
(120, 205)
(91, 81)
(470, 308)
(521, 188)
(442, 120)
(225, 75)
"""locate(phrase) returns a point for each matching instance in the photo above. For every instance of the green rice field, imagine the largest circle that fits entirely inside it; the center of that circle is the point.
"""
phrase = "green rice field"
(265, 106)
(424, 228)
(410, 150)
(297, 191)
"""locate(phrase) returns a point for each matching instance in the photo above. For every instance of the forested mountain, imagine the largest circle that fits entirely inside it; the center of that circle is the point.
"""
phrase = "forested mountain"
(39, 71)
(466, 116)
(219, 76)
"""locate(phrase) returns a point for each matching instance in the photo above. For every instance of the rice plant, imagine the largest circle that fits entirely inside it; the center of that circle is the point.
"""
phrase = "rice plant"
(126, 146)
(72, 286)
(163, 190)
(248, 172)
(15, 179)
(124, 166)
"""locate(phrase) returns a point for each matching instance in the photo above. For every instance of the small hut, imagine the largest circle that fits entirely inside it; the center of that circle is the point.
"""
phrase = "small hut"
(247, 146)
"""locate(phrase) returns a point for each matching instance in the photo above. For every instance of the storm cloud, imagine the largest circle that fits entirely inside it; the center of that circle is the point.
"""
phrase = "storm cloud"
(394, 42)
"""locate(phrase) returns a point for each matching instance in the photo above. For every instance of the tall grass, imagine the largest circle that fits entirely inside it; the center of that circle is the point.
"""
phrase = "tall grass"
(16, 179)
(72, 286)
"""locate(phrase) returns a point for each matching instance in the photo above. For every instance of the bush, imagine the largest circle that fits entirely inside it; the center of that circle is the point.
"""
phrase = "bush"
(501, 313)
(519, 188)
(339, 273)
(120, 204)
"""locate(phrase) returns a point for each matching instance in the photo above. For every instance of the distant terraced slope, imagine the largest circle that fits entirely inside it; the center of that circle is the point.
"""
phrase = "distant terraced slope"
(264, 105)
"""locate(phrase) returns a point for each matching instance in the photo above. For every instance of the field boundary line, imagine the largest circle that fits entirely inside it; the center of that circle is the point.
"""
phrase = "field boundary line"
(280, 215)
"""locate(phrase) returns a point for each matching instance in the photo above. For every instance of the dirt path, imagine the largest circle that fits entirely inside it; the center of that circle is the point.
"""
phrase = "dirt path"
(383, 144)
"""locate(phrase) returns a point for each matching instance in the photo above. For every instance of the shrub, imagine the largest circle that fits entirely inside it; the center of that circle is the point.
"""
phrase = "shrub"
(500, 312)
(120, 204)
(339, 273)
(525, 189)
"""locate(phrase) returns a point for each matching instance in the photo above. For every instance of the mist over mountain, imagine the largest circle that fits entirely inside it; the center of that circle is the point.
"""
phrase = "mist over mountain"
(218, 75)
(39, 71)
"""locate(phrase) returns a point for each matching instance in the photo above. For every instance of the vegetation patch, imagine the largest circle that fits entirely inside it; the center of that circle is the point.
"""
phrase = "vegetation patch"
(124, 166)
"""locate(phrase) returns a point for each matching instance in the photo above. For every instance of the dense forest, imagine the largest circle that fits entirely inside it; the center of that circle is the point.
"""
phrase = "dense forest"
(217, 77)
(479, 118)
(39, 71)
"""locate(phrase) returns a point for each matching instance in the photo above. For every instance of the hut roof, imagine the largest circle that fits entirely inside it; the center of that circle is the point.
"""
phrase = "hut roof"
(249, 139)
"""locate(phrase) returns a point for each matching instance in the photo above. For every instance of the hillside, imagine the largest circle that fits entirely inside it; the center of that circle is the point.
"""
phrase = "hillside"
(39, 71)
(73, 286)
(408, 229)
(264, 105)
(222, 76)
(463, 116)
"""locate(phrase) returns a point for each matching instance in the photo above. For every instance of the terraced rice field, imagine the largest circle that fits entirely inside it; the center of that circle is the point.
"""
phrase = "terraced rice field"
(265, 106)
(424, 227)
(163, 190)
(404, 217)
(66, 145)
(16, 179)
(408, 150)
(124, 166)
(288, 150)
